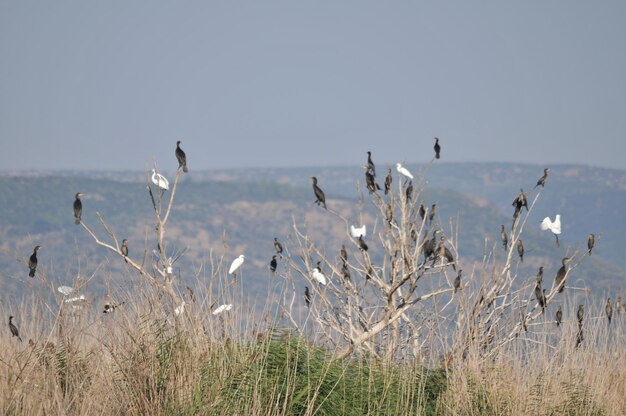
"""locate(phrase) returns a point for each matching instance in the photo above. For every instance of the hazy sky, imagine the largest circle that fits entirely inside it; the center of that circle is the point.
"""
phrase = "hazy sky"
(113, 84)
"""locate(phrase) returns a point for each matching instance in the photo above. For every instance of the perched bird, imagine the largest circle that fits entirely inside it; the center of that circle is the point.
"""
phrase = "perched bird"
(503, 236)
(371, 168)
(78, 208)
(539, 278)
(32, 262)
(542, 180)
(431, 214)
(370, 182)
(444, 253)
(559, 316)
(520, 250)
(580, 314)
(561, 274)
(409, 191)
(307, 296)
(541, 297)
(388, 181)
(591, 240)
(319, 194)
(110, 306)
(13, 328)
(124, 249)
(555, 227)
(437, 148)
(343, 254)
(273, 264)
(429, 245)
(358, 232)
(403, 171)
(362, 244)
(160, 180)
(318, 275)
(457, 281)
(278, 247)
(235, 265)
(609, 310)
(181, 157)
(345, 271)
(522, 199)
(422, 211)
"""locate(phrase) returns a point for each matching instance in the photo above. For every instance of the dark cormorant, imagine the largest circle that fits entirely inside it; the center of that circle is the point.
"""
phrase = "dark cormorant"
(422, 211)
(591, 240)
(457, 281)
(437, 148)
(541, 297)
(444, 253)
(362, 244)
(278, 247)
(431, 215)
(388, 181)
(559, 316)
(429, 245)
(124, 249)
(13, 329)
(505, 239)
(559, 280)
(343, 254)
(345, 271)
(522, 199)
(409, 191)
(609, 310)
(319, 194)
(307, 296)
(580, 314)
(370, 182)
(371, 168)
(32, 262)
(182, 158)
(273, 264)
(542, 180)
(520, 250)
(78, 208)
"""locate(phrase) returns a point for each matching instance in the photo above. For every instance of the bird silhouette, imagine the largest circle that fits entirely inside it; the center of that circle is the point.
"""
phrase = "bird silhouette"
(78, 208)
(388, 181)
(559, 316)
(520, 250)
(591, 241)
(542, 180)
(561, 274)
(181, 157)
(437, 148)
(32, 262)
(273, 264)
(319, 194)
(13, 328)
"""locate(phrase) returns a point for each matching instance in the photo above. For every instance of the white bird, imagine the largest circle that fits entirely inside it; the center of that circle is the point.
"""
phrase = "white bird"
(358, 232)
(75, 299)
(66, 290)
(222, 308)
(319, 276)
(180, 309)
(555, 226)
(160, 180)
(403, 171)
(236, 264)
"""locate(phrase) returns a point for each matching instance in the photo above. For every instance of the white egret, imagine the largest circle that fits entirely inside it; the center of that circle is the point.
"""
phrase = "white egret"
(222, 308)
(403, 171)
(358, 232)
(555, 227)
(160, 180)
(65, 290)
(319, 276)
(236, 264)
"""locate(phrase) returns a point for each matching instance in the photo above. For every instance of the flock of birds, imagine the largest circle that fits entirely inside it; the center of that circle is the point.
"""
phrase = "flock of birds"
(434, 249)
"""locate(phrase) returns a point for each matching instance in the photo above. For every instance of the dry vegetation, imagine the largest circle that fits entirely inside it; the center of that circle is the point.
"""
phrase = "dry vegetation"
(388, 334)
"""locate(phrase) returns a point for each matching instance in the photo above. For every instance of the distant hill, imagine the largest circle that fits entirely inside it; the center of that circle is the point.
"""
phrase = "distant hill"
(241, 211)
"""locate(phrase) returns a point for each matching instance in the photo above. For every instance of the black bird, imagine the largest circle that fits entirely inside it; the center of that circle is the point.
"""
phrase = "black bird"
(505, 239)
(561, 274)
(437, 148)
(78, 208)
(307, 296)
(32, 262)
(444, 253)
(429, 245)
(457, 281)
(541, 296)
(370, 182)
(539, 278)
(609, 310)
(431, 215)
(278, 247)
(580, 315)
(343, 254)
(273, 264)
(182, 158)
(559, 316)
(522, 199)
(124, 249)
(13, 329)
(591, 240)
(110, 306)
(388, 181)
(319, 194)
(371, 168)
(362, 244)
(345, 271)
(520, 250)
(422, 211)
(542, 180)
(409, 191)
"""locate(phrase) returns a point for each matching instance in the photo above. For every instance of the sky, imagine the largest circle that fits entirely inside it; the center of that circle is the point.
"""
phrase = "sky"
(112, 85)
